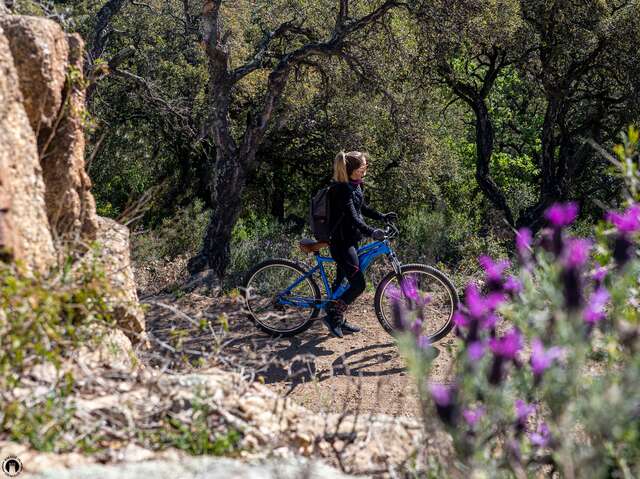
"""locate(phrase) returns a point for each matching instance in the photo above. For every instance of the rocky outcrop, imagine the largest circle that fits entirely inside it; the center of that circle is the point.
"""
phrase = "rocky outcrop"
(270, 427)
(24, 229)
(49, 68)
(115, 259)
(201, 468)
(46, 206)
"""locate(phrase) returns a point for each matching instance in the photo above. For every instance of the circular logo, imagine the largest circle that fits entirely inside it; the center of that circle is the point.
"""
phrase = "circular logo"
(12, 466)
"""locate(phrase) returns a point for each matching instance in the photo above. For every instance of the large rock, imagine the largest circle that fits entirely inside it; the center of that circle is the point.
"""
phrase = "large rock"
(115, 259)
(46, 206)
(201, 468)
(49, 66)
(24, 228)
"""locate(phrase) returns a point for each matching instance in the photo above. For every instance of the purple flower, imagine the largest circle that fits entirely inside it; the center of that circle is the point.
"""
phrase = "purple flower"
(494, 300)
(523, 411)
(627, 222)
(423, 342)
(541, 437)
(479, 306)
(442, 394)
(473, 416)
(512, 285)
(399, 313)
(524, 239)
(474, 301)
(493, 271)
(443, 397)
(541, 359)
(507, 346)
(577, 253)
(393, 293)
(561, 215)
(416, 327)
(460, 320)
(476, 350)
(409, 288)
(599, 274)
(489, 321)
(594, 311)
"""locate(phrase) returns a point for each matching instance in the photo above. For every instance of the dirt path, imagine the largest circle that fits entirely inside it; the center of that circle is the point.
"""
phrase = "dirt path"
(362, 371)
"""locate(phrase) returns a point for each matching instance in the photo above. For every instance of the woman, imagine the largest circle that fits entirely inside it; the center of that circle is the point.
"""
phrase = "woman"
(347, 207)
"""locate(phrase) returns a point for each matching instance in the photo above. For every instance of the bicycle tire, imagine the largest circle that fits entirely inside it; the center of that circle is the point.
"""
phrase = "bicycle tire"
(408, 268)
(291, 265)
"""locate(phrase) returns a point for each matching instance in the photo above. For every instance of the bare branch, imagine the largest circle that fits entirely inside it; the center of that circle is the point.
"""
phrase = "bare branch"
(343, 14)
(102, 31)
(215, 42)
(156, 97)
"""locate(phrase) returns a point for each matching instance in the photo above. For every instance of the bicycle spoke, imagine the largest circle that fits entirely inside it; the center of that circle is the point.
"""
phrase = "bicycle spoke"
(424, 294)
(275, 311)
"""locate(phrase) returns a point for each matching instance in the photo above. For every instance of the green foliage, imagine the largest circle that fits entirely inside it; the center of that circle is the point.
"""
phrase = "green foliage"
(431, 236)
(552, 388)
(43, 317)
(197, 437)
(181, 234)
(256, 239)
(43, 424)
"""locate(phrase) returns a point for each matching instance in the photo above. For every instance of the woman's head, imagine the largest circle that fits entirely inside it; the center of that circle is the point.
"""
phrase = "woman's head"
(349, 166)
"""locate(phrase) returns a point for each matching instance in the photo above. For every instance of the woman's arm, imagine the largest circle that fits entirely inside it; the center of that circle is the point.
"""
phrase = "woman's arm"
(351, 213)
(370, 212)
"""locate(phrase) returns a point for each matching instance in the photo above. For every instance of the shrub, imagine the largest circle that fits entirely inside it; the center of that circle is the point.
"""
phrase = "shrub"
(42, 317)
(257, 238)
(442, 236)
(546, 371)
(202, 435)
(179, 235)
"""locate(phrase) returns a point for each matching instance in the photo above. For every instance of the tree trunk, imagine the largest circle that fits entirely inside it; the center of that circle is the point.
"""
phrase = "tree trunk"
(234, 160)
(229, 185)
(279, 187)
(484, 151)
(550, 191)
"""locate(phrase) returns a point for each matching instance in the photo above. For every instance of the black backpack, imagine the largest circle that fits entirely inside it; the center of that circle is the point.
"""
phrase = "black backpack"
(320, 220)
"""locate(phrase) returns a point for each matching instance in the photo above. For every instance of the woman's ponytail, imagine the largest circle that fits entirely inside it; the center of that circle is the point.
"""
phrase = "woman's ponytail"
(340, 168)
(347, 163)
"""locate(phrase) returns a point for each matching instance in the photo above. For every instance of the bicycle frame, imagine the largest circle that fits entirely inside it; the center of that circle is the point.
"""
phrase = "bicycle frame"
(366, 255)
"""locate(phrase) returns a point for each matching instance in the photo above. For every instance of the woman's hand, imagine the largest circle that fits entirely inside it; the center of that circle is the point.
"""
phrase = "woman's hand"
(378, 234)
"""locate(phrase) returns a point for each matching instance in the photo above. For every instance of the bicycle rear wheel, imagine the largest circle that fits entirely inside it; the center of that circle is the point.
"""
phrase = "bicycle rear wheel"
(273, 304)
(430, 286)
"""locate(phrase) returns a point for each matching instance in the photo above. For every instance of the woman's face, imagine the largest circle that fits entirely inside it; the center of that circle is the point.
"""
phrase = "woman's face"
(360, 172)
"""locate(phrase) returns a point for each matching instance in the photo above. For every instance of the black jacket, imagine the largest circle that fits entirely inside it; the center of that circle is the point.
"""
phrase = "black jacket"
(347, 207)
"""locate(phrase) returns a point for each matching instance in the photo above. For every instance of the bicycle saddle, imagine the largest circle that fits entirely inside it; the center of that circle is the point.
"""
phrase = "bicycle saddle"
(312, 246)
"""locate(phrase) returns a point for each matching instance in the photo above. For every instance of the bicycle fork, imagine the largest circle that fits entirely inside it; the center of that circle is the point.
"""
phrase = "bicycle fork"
(395, 263)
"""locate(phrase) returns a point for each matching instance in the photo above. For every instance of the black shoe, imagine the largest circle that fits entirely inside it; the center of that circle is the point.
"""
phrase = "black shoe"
(333, 326)
(350, 328)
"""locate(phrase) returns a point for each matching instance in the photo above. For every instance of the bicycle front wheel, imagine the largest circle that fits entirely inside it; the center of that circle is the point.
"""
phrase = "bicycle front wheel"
(427, 291)
(280, 299)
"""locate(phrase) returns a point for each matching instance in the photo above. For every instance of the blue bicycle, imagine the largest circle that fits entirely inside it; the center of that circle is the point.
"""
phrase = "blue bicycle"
(283, 298)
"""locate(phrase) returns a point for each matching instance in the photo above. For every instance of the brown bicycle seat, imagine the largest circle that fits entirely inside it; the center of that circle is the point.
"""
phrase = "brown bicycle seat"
(312, 246)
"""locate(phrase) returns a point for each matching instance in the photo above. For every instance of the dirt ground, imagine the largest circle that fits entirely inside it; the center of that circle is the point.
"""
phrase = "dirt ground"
(362, 371)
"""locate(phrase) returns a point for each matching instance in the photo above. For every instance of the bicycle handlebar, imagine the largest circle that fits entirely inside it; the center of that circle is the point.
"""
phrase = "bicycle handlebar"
(391, 230)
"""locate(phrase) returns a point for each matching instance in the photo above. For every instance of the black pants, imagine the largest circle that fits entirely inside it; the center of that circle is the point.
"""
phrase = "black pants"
(348, 265)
